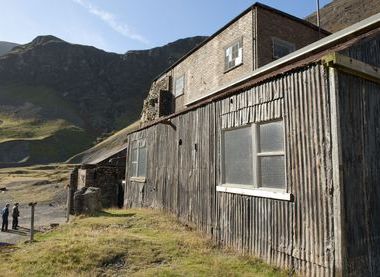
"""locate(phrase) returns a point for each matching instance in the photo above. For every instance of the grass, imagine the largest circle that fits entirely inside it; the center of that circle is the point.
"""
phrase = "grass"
(135, 242)
(28, 129)
(34, 184)
(40, 118)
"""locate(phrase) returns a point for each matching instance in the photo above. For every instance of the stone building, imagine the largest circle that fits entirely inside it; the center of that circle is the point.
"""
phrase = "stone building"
(256, 37)
(107, 173)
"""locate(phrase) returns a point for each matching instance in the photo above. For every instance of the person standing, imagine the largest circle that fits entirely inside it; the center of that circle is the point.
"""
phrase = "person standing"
(5, 214)
(15, 215)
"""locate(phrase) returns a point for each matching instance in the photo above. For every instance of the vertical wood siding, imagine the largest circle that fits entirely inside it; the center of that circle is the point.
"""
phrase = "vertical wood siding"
(182, 179)
(360, 127)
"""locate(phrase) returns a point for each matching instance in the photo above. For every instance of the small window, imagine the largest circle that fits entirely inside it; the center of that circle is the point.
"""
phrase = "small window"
(282, 48)
(254, 156)
(179, 86)
(233, 55)
(138, 158)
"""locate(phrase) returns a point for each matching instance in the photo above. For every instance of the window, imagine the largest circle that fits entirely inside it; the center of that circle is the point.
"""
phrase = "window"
(233, 55)
(138, 158)
(270, 155)
(282, 48)
(253, 156)
(238, 156)
(179, 86)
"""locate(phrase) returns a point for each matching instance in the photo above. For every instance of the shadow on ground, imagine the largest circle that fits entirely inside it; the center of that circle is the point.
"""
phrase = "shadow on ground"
(105, 213)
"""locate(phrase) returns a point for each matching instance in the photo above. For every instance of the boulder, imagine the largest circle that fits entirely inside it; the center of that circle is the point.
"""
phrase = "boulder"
(87, 201)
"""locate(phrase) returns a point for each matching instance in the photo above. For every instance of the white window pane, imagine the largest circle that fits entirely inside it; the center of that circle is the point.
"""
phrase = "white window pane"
(142, 143)
(142, 163)
(234, 55)
(272, 172)
(271, 137)
(134, 144)
(238, 156)
(179, 85)
(134, 155)
(134, 169)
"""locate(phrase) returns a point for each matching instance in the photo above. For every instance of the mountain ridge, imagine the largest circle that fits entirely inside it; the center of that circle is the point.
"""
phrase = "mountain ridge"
(6, 46)
(90, 89)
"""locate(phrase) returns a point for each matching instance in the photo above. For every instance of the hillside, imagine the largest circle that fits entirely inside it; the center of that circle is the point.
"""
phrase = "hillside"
(56, 98)
(340, 14)
(5, 47)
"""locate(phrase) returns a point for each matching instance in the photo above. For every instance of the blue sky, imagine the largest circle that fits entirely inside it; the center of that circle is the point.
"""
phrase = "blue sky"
(122, 25)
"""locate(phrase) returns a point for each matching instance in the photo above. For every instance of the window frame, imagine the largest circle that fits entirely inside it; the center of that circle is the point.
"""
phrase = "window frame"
(283, 43)
(255, 189)
(136, 144)
(183, 87)
(231, 45)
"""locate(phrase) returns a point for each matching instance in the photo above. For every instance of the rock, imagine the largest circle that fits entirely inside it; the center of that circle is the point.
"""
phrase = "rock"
(87, 201)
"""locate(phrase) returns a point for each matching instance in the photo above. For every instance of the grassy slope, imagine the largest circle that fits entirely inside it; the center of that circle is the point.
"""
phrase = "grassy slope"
(54, 135)
(28, 129)
(127, 243)
(115, 142)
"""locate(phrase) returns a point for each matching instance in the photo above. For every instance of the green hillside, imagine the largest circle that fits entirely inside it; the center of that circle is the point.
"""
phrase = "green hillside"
(36, 125)
(58, 98)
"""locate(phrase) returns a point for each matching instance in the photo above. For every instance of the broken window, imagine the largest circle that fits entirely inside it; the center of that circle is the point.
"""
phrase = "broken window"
(282, 48)
(254, 156)
(233, 55)
(138, 158)
(179, 86)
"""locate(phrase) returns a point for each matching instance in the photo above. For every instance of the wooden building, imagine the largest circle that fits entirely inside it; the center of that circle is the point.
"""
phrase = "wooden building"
(282, 163)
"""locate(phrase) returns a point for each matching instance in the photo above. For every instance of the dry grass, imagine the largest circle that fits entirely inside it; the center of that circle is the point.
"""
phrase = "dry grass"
(127, 243)
(35, 183)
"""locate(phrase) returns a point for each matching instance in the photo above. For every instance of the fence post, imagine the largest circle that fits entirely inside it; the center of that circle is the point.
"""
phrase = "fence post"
(32, 205)
(69, 201)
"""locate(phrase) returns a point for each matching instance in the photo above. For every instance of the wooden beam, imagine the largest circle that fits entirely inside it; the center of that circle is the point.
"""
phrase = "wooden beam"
(279, 195)
(352, 66)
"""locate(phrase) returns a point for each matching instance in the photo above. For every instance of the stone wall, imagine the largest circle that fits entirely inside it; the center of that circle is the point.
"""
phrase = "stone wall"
(107, 178)
(204, 69)
(73, 186)
(274, 25)
(150, 109)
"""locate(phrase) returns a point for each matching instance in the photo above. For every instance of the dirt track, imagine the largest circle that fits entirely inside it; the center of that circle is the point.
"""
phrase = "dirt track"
(44, 216)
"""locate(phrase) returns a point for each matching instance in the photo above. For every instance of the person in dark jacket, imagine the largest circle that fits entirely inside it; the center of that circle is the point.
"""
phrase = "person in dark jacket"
(5, 214)
(15, 215)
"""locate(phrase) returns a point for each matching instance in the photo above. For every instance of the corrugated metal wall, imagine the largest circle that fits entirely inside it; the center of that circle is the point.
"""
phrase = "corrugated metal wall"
(360, 127)
(359, 109)
(182, 178)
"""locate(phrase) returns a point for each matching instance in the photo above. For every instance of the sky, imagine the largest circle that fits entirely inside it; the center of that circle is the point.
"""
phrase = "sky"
(122, 25)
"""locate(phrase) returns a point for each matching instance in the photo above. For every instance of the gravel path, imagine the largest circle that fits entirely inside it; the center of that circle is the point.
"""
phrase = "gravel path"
(44, 216)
